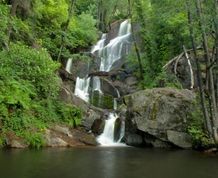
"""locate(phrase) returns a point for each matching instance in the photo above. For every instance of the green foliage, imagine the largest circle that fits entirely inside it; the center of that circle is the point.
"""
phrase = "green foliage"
(163, 79)
(34, 139)
(28, 94)
(82, 30)
(200, 137)
(3, 23)
(2, 141)
(51, 13)
(36, 67)
(51, 18)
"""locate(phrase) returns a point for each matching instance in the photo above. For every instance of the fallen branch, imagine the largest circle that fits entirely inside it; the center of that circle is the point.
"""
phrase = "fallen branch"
(190, 67)
(177, 61)
(175, 58)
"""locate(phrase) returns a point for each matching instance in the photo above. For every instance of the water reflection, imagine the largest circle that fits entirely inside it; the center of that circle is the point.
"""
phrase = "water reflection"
(106, 162)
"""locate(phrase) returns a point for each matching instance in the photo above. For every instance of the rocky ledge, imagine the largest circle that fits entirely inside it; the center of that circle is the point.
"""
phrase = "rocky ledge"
(56, 136)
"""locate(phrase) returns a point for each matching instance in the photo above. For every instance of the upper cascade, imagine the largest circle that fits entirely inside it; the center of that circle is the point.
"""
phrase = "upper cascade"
(100, 44)
(116, 48)
(109, 54)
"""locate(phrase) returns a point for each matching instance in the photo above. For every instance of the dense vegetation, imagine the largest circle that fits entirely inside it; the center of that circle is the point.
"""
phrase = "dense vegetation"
(36, 35)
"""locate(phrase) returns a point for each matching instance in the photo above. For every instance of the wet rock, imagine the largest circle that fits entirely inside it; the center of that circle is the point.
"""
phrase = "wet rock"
(84, 137)
(98, 126)
(134, 140)
(155, 142)
(117, 129)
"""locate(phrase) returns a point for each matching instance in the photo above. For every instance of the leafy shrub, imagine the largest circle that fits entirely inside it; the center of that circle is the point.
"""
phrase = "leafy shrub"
(196, 129)
(3, 23)
(36, 67)
(35, 140)
(28, 94)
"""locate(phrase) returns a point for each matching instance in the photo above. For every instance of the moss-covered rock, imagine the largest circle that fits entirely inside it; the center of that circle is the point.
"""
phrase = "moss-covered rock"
(102, 100)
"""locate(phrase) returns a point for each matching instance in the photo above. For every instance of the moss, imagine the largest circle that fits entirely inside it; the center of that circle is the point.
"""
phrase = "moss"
(154, 110)
(102, 101)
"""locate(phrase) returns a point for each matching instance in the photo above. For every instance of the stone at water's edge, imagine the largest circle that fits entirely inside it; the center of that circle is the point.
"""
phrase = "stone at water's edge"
(180, 139)
(13, 141)
(56, 136)
(162, 113)
(63, 136)
(98, 126)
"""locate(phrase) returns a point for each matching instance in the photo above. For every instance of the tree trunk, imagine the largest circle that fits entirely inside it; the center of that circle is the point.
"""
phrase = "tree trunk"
(214, 113)
(65, 26)
(135, 43)
(14, 5)
(207, 121)
(216, 43)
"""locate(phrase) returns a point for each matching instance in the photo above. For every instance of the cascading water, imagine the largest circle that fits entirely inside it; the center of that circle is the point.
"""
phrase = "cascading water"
(113, 51)
(69, 65)
(108, 54)
(107, 137)
(82, 88)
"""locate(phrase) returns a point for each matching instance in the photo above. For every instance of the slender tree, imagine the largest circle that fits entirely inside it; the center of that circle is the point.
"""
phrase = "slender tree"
(209, 71)
(134, 41)
(199, 77)
(66, 24)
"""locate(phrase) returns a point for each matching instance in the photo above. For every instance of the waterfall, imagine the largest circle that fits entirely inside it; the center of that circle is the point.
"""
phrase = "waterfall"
(82, 88)
(109, 54)
(69, 65)
(100, 44)
(113, 50)
(107, 137)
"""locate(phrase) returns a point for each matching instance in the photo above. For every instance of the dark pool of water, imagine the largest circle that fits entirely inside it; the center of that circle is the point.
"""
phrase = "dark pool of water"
(99, 162)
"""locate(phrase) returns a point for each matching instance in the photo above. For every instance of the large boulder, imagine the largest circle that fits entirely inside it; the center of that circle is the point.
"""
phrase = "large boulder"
(162, 113)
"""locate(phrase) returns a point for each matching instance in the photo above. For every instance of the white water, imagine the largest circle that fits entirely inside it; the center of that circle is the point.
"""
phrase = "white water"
(100, 44)
(113, 50)
(107, 137)
(82, 88)
(108, 54)
(69, 65)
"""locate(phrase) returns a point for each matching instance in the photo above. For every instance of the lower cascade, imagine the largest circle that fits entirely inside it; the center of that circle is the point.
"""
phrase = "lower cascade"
(107, 137)
(109, 54)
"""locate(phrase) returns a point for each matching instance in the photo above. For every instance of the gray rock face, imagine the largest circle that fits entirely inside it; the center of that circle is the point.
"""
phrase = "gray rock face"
(180, 139)
(63, 136)
(54, 141)
(134, 140)
(161, 112)
(98, 126)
